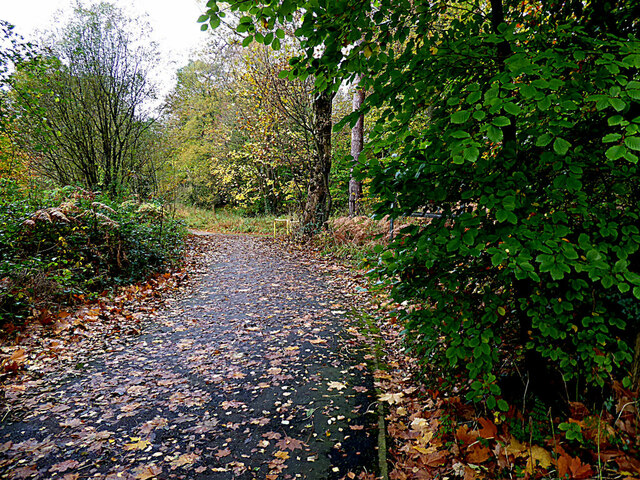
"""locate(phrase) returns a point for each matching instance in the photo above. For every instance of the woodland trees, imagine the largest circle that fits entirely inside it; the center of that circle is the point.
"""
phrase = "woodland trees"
(518, 123)
(82, 105)
(244, 136)
(79, 153)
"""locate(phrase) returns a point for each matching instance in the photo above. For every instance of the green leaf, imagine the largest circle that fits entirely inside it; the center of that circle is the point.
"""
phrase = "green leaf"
(473, 97)
(615, 120)
(494, 134)
(501, 121)
(617, 104)
(528, 91)
(280, 33)
(204, 27)
(616, 152)
(512, 108)
(503, 405)
(460, 116)
(502, 215)
(479, 115)
(632, 60)
(543, 140)
(460, 134)
(611, 137)
(561, 146)
(544, 104)
(203, 18)
(632, 142)
(471, 154)
(247, 41)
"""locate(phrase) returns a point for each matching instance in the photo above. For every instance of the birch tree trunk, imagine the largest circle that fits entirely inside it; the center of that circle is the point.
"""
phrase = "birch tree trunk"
(357, 142)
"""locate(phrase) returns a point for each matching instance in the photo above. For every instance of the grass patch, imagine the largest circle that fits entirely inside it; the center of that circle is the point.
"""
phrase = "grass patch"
(224, 220)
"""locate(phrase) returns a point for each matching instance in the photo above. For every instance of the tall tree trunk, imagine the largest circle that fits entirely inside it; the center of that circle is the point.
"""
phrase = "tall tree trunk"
(635, 368)
(357, 142)
(318, 205)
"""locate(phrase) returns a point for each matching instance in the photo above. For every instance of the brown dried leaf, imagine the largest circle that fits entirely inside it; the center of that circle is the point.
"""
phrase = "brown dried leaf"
(223, 453)
(64, 466)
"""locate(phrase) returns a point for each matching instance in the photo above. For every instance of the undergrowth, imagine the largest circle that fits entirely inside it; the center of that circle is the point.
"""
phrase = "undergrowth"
(66, 245)
(353, 239)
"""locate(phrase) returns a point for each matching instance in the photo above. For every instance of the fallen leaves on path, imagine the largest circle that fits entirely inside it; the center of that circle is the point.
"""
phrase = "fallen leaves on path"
(243, 367)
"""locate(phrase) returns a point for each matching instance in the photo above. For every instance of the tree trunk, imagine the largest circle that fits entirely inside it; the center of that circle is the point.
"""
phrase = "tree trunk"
(318, 205)
(635, 368)
(357, 142)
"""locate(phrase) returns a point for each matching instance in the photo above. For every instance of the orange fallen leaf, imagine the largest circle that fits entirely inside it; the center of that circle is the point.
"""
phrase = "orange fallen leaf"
(489, 429)
(185, 459)
(477, 454)
(223, 453)
(466, 437)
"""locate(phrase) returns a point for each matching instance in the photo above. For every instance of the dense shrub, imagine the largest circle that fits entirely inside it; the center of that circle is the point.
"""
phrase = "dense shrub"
(70, 243)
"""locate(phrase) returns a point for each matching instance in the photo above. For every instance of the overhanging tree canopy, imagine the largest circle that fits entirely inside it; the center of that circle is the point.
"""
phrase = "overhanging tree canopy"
(519, 122)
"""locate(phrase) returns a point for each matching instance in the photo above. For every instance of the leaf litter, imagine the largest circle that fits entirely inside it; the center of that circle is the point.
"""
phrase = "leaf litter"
(241, 366)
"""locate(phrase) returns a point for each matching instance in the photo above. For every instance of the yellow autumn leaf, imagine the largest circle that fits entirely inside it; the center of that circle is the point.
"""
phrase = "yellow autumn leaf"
(423, 450)
(515, 448)
(185, 459)
(137, 444)
(282, 455)
(538, 457)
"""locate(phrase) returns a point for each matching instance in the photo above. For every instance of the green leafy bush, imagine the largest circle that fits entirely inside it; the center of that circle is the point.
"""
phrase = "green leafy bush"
(532, 161)
(519, 123)
(72, 243)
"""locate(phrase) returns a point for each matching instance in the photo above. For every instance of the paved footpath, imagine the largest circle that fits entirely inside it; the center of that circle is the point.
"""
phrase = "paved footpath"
(252, 375)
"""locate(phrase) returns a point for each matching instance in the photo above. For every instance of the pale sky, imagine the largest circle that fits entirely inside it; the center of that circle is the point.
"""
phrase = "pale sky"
(174, 24)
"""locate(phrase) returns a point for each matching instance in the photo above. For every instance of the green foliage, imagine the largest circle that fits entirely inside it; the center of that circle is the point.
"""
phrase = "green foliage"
(538, 230)
(70, 243)
(520, 125)
(572, 431)
(239, 134)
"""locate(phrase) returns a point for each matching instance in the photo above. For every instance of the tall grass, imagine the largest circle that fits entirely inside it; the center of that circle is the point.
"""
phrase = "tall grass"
(224, 220)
